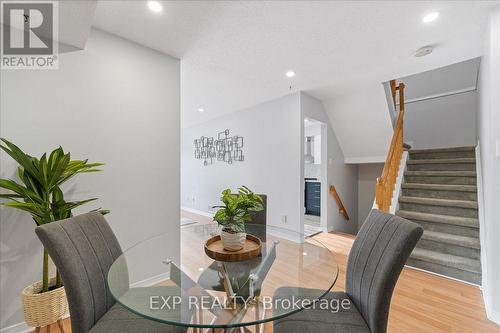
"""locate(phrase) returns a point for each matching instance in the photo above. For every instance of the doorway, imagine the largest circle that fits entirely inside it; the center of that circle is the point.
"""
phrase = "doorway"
(314, 169)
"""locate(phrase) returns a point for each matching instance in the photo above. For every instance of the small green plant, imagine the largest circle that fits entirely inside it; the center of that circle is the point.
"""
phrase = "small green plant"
(39, 190)
(236, 210)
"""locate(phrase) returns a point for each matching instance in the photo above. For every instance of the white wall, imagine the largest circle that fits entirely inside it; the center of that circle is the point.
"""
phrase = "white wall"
(272, 165)
(313, 170)
(273, 134)
(114, 102)
(489, 138)
(460, 76)
(362, 124)
(367, 178)
(314, 130)
(448, 121)
(343, 176)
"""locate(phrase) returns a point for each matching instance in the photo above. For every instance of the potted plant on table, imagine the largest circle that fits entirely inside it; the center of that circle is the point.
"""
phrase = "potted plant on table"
(39, 193)
(234, 214)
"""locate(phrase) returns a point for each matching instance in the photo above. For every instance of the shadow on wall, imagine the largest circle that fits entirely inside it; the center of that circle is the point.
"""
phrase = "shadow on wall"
(20, 260)
(367, 178)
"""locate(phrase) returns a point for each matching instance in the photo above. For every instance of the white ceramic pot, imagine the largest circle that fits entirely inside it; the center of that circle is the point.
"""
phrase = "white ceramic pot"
(233, 241)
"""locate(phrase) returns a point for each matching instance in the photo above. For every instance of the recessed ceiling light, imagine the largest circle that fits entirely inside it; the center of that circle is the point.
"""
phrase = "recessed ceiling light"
(430, 17)
(290, 74)
(201, 110)
(155, 6)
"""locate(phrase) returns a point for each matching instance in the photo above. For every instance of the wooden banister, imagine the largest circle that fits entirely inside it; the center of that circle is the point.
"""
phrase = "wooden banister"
(342, 211)
(386, 182)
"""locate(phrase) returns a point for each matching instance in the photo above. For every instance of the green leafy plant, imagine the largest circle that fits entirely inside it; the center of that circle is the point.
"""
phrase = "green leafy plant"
(236, 210)
(39, 190)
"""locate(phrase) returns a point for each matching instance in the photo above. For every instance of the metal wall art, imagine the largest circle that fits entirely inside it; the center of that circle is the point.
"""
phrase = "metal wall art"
(226, 148)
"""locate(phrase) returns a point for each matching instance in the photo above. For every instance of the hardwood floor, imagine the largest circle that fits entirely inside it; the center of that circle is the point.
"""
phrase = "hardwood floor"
(55, 329)
(422, 302)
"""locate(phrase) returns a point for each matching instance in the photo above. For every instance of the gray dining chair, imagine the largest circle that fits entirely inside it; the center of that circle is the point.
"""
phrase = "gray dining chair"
(83, 249)
(259, 219)
(377, 257)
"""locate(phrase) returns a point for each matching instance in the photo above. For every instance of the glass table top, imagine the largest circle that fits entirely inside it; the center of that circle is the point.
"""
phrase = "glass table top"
(184, 287)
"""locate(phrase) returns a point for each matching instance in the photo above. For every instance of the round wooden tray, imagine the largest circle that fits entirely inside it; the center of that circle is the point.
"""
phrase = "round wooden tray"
(215, 250)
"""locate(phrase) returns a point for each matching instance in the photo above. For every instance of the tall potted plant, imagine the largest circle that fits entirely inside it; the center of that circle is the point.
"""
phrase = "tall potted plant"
(38, 192)
(234, 214)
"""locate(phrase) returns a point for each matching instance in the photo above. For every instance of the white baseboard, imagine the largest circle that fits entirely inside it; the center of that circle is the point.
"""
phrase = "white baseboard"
(21, 328)
(364, 159)
(494, 317)
(491, 314)
(196, 211)
(444, 276)
(482, 222)
(151, 281)
(24, 328)
(399, 181)
(17, 328)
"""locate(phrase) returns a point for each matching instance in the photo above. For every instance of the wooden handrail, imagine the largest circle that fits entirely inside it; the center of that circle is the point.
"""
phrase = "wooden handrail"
(333, 191)
(386, 182)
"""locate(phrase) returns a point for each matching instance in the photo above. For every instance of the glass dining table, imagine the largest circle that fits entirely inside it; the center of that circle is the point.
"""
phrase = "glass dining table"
(185, 287)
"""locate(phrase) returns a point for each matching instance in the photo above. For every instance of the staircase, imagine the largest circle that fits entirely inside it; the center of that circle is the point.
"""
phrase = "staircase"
(439, 192)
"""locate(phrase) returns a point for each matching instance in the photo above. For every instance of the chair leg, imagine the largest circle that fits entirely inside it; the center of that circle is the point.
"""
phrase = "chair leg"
(37, 330)
(61, 326)
(48, 328)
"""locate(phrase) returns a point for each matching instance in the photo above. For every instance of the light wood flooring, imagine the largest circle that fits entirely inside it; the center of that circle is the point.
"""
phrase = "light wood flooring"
(422, 302)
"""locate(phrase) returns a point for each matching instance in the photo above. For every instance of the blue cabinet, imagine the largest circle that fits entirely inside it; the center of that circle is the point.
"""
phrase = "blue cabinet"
(313, 198)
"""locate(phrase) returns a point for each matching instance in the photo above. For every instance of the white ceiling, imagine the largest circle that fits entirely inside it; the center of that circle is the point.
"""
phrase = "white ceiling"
(74, 20)
(234, 53)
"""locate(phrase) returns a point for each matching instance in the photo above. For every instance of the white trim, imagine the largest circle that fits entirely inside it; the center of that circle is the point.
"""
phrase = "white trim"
(324, 178)
(448, 93)
(444, 276)
(494, 316)
(287, 234)
(17, 328)
(21, 327)
(481, 216)
(399, 181)
(490, 312)
(196, 211)
(366, 159)
(151, 281)
(390, 103)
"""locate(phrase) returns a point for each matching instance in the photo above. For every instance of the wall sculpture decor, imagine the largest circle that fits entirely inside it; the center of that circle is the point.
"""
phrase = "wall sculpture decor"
(225, 148)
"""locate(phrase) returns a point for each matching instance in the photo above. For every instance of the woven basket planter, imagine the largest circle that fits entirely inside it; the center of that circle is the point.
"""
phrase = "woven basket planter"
(42, 309)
